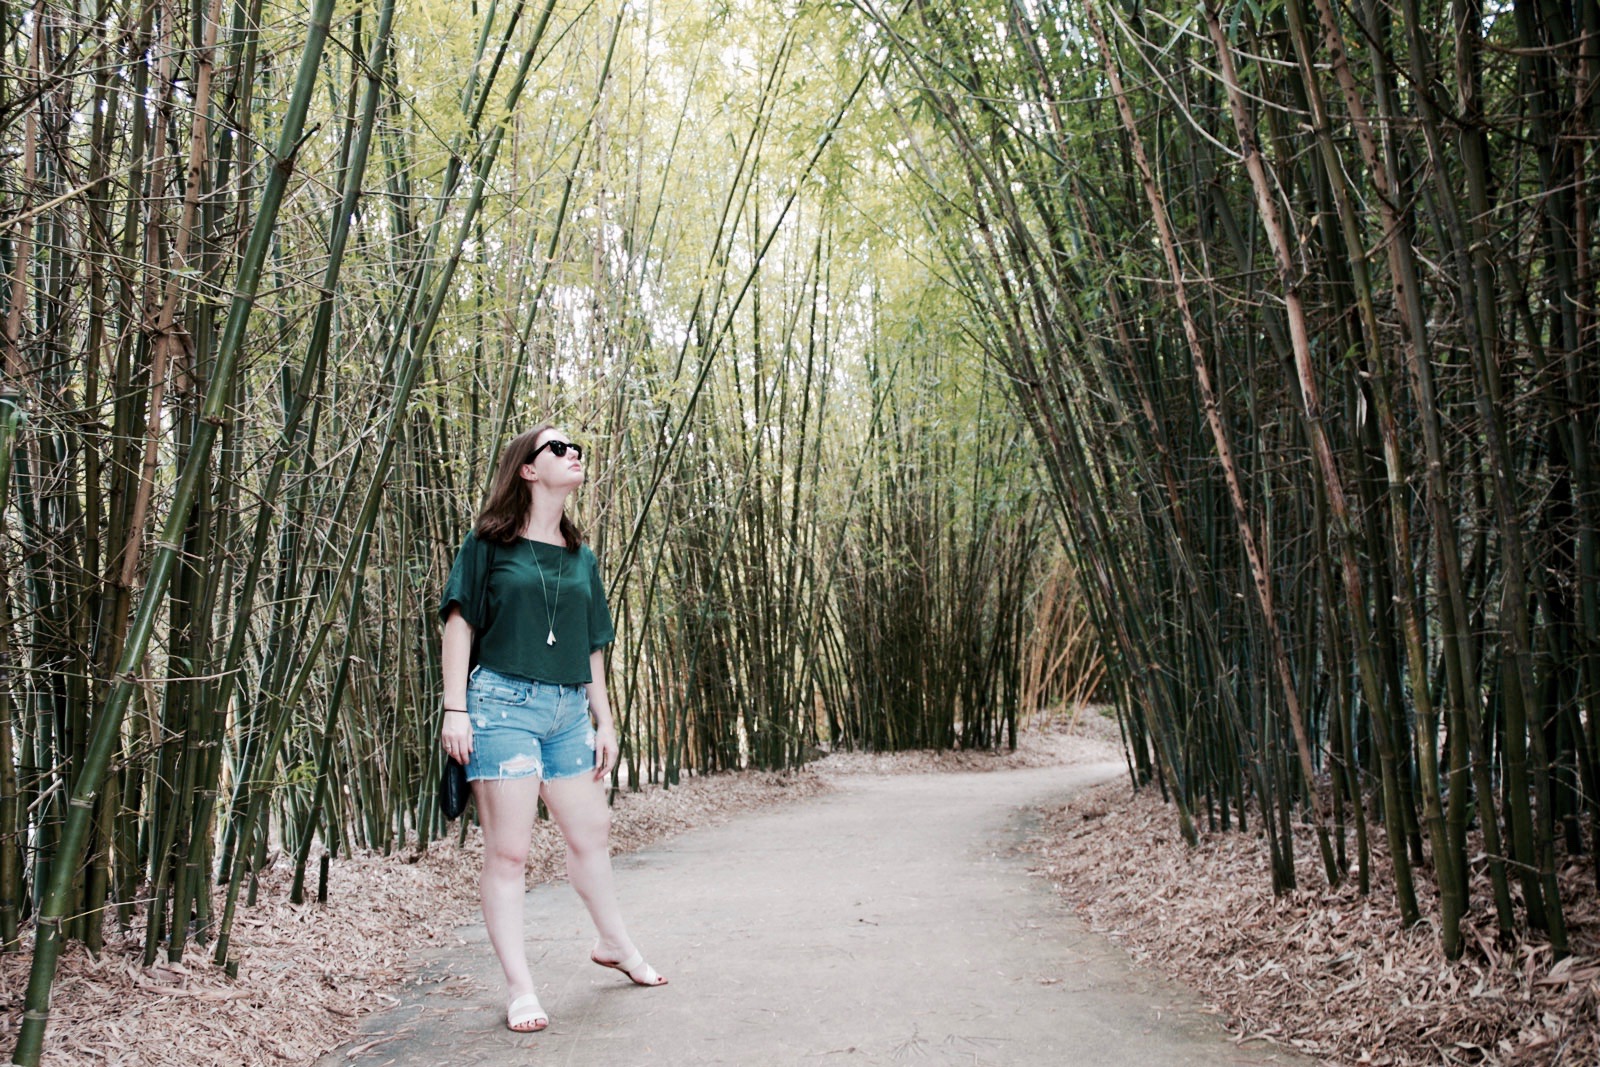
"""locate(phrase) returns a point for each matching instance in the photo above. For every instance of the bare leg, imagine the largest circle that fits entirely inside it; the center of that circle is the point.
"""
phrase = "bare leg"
(507, 809)
(579, 807)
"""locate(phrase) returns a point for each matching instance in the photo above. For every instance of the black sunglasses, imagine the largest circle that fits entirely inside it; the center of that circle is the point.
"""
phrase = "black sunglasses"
(557, 449)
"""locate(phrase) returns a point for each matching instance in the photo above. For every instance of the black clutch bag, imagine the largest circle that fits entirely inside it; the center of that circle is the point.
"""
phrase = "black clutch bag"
(453, 789)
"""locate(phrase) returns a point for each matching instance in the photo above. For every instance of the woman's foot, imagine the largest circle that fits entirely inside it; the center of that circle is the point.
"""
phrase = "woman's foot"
(525, 1016)
(638, 971)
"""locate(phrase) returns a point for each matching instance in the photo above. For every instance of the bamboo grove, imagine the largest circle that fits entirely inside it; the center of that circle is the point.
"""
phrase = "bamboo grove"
(1299, 301)
(941, 362)
(279, 277)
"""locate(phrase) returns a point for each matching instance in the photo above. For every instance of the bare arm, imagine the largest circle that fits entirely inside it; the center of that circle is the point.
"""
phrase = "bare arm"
(605, 734)
(455, 653)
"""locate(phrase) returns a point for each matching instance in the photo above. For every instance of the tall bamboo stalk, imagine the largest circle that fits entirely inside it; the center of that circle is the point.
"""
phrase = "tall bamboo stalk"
(108, 724)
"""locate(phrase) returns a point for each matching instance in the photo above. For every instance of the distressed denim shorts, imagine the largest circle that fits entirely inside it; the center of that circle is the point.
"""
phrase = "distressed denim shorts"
(522, 728)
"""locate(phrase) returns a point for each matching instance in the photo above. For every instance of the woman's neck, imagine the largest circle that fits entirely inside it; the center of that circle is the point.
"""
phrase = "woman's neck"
(543, 521)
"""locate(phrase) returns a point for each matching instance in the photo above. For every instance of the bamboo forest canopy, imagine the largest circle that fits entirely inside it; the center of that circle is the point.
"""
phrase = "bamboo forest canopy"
(1256, 342)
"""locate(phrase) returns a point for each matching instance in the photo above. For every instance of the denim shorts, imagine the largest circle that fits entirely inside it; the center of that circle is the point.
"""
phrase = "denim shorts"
(522, 728)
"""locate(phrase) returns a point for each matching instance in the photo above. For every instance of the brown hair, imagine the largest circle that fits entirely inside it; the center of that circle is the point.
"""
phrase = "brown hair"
(507, 507)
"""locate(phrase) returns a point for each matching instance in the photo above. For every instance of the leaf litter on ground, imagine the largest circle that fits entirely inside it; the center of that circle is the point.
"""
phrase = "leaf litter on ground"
(1324, 971)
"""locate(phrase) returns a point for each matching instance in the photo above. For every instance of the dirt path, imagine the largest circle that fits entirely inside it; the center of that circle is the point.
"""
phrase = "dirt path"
(888, 921)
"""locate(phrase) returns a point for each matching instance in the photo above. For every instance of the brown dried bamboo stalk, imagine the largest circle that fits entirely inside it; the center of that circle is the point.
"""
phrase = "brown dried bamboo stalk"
(1347, 534)
(1528, 838)
(1260, 575)
(16, 368)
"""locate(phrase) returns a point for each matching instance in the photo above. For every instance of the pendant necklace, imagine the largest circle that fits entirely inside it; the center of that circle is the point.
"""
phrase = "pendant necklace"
(550, 609)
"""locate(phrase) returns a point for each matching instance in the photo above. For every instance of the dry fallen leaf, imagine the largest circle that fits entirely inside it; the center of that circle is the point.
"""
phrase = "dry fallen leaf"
(1355, 987)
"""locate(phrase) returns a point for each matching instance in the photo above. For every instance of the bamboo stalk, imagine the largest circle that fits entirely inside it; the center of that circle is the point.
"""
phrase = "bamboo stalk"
(11, 831)
(108, 724)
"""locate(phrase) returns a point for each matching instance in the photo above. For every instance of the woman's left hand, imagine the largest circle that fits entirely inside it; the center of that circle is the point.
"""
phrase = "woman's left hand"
(605, 750)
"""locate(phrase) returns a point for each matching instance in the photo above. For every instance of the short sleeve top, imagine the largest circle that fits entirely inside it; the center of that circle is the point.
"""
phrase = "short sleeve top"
(535, 591)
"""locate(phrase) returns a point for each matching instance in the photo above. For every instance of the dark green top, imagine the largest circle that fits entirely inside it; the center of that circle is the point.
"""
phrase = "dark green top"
(513, 634)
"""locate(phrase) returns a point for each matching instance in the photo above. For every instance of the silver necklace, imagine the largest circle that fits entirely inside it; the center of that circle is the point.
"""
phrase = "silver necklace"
(550, 609)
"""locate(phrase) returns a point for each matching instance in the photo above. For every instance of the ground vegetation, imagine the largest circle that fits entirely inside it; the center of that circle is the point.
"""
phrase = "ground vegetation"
(1358, 987)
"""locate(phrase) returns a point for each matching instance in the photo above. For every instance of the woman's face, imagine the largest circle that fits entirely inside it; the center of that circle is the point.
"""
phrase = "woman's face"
(555, 471)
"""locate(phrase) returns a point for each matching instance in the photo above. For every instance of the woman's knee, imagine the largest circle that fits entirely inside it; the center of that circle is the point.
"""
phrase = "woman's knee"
(505, 855)
(504, 859)
(594, 831)
(588, 830)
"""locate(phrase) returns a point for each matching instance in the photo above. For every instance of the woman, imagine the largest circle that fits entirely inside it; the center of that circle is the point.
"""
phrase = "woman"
(532, 718)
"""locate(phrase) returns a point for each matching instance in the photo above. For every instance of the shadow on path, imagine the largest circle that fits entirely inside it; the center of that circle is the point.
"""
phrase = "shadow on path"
(890, 921)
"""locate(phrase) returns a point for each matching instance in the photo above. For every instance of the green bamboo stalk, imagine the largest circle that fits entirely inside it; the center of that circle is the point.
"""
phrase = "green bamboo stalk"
(330, 720)
(355, 171)
(11, 830)
(513, 373)
(473, 102)
(1262, 582)
(1333, 480)
(669, 447)
(412, 357)
(108, 724)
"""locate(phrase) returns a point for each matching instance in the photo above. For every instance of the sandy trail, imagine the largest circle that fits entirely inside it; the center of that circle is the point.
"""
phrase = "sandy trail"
(889, 921)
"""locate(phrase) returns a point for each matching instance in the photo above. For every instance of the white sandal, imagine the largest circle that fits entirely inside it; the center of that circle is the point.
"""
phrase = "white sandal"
(525, 1016)
(638, 971)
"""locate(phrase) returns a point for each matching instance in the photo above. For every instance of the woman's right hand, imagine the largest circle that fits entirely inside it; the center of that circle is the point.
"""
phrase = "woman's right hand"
(456, 736)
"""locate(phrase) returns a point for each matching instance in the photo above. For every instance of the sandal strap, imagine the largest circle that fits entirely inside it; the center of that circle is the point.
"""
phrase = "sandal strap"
(525, 1009)
(638, 971)
(635, 963)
